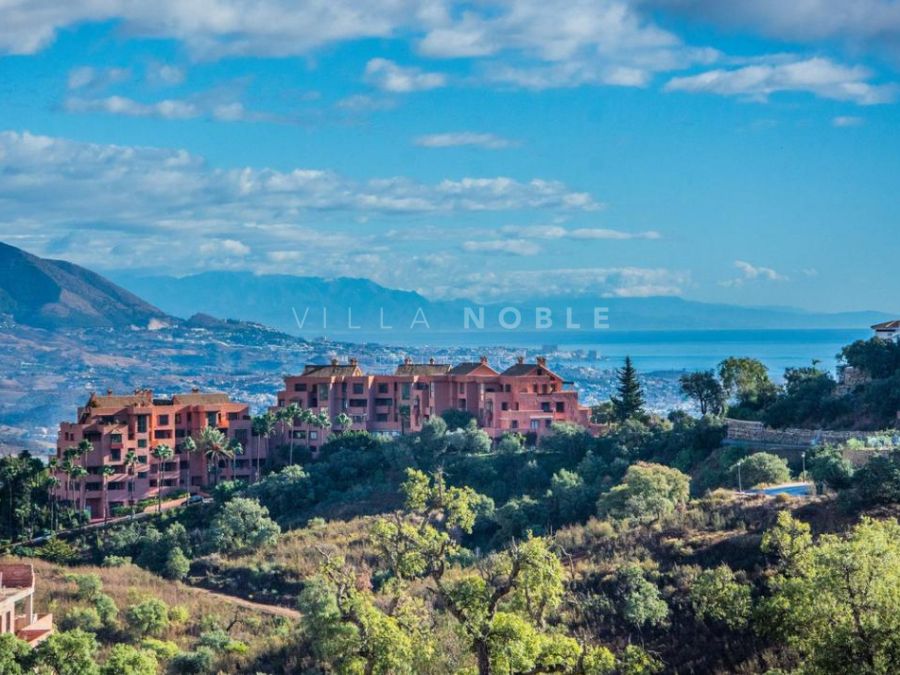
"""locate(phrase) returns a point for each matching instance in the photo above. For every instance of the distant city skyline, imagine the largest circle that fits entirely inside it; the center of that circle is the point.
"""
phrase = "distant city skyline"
(745, 155)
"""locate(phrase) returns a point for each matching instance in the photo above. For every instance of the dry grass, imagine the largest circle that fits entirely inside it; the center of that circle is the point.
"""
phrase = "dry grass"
(129, 584)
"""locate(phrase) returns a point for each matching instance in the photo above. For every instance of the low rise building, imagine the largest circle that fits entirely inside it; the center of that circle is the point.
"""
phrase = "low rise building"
(526, 397)
(17, 616)
(115, 426)
(888, 330)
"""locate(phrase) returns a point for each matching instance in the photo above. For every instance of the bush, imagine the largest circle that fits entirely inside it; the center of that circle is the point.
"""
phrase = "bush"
(646, 491)
(150, 617)
(84, 618)
(761, 468)
(88, 586)
(126, 660)
(196, 662)
(242, 526)
(163, 649)
(177, 565)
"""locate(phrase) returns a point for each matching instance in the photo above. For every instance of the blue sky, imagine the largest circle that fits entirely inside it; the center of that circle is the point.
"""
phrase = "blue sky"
(487, 149)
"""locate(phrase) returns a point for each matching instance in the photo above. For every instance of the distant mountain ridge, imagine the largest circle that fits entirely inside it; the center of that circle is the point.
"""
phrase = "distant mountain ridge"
(347, 306)
(55, 293)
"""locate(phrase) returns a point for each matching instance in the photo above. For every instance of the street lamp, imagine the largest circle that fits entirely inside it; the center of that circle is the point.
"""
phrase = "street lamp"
(740, 485)
(803, 459)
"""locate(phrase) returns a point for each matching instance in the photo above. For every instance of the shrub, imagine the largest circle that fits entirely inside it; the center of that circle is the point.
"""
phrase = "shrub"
(761, 468)
(196, 662)
(85, 618)
(177, 565)
(163, 649)
(647, 490)
(126, 660)
(242, 526)
(149, 617)
(107, 610)
(88, 586)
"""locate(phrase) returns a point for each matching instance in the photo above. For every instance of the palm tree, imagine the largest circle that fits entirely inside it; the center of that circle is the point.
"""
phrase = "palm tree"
(78, 474)
(130, 461)
(288, 415)
(262, 426)
(322, 421)
(188, 447)
(107, 471)
(214, 444)
(235, 449)
(52, 483)
(69, 455)
(84, 447)
(162, 453)
(342, 420)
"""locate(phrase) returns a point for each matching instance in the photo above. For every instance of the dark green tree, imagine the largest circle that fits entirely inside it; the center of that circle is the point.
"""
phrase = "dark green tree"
(704, 388)
(630, 400)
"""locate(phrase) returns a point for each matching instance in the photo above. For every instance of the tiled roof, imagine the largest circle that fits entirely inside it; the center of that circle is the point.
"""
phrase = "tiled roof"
(468, 367)
(139, 398)
(197, 398)
(887, 325)
(422, 369)
(330, 370)
(524, 369)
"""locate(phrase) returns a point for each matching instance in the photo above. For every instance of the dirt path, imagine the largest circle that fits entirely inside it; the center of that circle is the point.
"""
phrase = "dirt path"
(275, 610)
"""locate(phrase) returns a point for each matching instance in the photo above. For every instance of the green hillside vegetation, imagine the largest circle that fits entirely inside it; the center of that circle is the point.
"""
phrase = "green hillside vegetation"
(439, 552)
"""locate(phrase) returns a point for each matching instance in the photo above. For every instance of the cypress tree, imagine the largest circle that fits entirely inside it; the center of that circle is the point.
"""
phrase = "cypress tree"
(630, 401)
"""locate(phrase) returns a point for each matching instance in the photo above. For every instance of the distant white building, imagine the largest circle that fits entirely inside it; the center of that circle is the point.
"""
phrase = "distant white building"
(889, 330)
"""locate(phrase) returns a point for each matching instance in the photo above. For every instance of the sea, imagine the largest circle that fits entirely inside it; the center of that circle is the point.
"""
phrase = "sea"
(658, 350)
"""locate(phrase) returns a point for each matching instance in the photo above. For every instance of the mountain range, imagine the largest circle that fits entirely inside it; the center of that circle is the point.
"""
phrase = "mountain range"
(58, 294)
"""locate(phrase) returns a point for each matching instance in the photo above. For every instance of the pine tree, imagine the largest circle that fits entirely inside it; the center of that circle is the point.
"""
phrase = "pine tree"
(630, 401)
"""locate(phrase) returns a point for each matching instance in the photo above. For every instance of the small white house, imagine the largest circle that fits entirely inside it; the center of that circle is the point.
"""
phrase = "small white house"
(889, 330)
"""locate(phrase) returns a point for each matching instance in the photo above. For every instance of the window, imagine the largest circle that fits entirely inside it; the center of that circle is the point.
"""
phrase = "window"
(212, 418)
(545, 406)
(300, 386)
(404, 391)
(142, 424)
(184, 465)
(180, 433)
(152, 482)
(163, 420)
(382, 388)
(381, 417)
(313, 435)
(535, 425)
(461, 404)
(115, 485)
(357, 403)
(514, 424)
(142, 443)
(142, 475)
(504, 405)
(142, 459)
(358, 388)
(115, 455)
(233, 416)
(115, 438)
(560, 406)
(547, 423)
(178, 419)
(162, 433)
(384, 401)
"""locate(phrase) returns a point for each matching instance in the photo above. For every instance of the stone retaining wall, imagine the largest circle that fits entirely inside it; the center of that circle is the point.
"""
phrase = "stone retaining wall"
(742, 431)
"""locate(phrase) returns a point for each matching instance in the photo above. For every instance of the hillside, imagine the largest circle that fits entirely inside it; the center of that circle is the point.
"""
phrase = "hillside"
(55, 294)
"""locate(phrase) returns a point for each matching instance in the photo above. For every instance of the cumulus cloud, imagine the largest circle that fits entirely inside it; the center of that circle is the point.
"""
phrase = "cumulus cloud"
(847, 121)
(464, 138)
(862, 24)
(164, 74)
(609, 282)
(528, 43)
(207, 107)
(583, 233)
(88, 77)
(510, 246)
(819, 76)
(159, 188)
(750, 272)
(389, 76)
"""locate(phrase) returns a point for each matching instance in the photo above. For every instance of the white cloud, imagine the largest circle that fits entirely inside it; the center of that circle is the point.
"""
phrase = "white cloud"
(583, 233)
(750, 272)
(464, 138)
(819, 76)
(489, 285)
(510, 246)
(389, 76)
(360, 103)
(85, 77)
(159, 188)
(862, 24)
(165, 74)
(847, 121)
(200, 106)
(228, 247)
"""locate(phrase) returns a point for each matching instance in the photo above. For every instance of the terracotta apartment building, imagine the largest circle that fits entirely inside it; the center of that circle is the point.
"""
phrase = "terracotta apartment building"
(138, 422)
(525, 398)
(17, 616)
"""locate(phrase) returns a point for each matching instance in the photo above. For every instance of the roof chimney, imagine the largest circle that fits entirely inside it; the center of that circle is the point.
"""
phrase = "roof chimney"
(483, 360)
(542, 361)
(334, 362)
(195, 390)
(108, 392)
(352, 361)
(520, 360)
(431, 361)
(407, 361)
